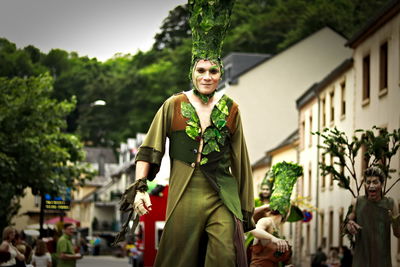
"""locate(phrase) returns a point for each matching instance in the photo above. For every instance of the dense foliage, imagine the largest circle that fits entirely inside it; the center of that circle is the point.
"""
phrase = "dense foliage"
(34, 152)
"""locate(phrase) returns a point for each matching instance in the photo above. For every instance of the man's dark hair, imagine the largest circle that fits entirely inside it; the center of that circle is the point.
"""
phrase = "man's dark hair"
(375, 171)
(67, 225)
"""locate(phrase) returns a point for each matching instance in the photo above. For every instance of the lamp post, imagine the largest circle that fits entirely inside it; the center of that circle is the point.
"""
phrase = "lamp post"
(98, 102)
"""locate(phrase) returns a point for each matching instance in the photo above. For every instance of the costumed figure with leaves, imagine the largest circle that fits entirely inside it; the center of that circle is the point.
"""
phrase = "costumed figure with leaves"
(369, 216)
(210, 201)
(261, 203)
(369, 221)
(268, 248)
(265, 191)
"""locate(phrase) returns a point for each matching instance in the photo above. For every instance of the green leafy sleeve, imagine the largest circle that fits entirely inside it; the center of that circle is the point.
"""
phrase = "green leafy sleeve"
(153, 147)
(241, 170)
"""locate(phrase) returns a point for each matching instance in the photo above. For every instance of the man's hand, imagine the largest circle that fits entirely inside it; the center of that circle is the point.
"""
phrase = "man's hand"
(142, 203)
(353, 227)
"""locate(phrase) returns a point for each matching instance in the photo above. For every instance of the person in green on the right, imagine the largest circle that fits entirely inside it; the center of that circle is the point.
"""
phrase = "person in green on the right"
(65, 250)
(370, 221)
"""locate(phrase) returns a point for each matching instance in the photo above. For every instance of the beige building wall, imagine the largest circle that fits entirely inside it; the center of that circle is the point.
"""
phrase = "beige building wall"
(308, 159)
(288, 154)
(266, 94)
(258, 176)
(28, 203)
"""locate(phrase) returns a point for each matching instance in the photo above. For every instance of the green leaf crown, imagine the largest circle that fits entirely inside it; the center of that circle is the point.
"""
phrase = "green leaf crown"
(209, 20)
(285, 176)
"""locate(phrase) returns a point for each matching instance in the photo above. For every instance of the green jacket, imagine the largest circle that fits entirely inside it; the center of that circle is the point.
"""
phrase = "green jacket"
(228, 170)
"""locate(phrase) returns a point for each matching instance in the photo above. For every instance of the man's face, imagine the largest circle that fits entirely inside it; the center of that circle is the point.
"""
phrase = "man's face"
(70, 230)
(206, 76)
(265, 191)
(373, 188)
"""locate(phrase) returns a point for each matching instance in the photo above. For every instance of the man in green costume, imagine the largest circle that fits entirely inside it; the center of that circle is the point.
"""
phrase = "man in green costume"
(65, 250)
(370, 222)
(210, 197)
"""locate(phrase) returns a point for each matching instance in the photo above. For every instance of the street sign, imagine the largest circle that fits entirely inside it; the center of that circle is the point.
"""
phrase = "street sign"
(58, 202)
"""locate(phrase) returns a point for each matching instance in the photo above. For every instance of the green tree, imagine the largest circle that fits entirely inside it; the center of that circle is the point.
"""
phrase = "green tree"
(174, 29)
(34, 151)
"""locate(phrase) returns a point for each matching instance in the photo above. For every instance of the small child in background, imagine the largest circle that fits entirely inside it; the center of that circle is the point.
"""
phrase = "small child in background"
(41, 258)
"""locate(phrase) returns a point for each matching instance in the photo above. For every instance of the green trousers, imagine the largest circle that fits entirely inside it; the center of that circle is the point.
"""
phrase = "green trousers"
(199, 231)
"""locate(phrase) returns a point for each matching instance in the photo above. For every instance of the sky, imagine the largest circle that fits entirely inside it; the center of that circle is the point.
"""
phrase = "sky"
(93, 28)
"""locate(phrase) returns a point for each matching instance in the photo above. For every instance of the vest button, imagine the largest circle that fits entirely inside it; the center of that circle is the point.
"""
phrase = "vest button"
(193, 165)
(195, 151)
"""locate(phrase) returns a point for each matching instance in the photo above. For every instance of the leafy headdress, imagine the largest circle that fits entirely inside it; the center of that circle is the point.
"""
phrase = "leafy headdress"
(209, 21)
(285, 176)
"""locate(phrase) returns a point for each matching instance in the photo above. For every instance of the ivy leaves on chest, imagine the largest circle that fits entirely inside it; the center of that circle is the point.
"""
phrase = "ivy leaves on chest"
(215, 135)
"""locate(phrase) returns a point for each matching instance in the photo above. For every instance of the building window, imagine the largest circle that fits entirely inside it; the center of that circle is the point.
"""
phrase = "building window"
(341, 214)
(330, 233)
(102, 169)
(364, 162)
(310, 132)
(322, 228)
(366, 78)
(37, 200)
(308, 239)
(310, 181)
(343, 99)
(323, 106)
(303, 133)
(331, 176)
(323, 176)
(383, 67)
(332, 96)
(301, 185)
(398, 239)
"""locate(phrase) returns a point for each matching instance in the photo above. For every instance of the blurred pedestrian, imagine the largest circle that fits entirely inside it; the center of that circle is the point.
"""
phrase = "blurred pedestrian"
(319, 259)
(4, 256)
(83, 243)
(41, 257)
(96, 245)
(23, 247)
(346, 257)
(7, 245)
(65, 250)
(333, 258)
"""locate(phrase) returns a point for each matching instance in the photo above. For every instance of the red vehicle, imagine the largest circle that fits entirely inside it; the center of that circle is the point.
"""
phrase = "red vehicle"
(151, 227)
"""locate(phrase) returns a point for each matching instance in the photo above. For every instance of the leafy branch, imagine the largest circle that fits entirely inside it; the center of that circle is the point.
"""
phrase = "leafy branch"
(379, 147)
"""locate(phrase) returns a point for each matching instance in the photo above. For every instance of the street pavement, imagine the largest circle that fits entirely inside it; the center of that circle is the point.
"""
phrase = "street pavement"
(103, 261)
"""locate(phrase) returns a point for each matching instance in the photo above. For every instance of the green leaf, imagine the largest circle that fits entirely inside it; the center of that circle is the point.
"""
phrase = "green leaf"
(203, 161)
(192, 132)
(187, 110)
(222, 106)
(209, 147)
(210, 133)
(192, 123)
